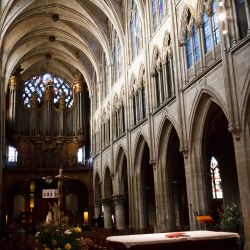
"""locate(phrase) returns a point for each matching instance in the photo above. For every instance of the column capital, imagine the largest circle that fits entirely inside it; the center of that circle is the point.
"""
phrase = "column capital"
(118, 199)
(15, 79)
(106, 201)
(78, 82)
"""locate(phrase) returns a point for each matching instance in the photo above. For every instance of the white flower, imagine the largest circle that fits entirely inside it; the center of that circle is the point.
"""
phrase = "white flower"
(37, 234)
(68, 232)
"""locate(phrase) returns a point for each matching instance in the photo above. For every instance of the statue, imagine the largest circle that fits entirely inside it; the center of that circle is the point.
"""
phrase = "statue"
(49, 218)
(56, 212)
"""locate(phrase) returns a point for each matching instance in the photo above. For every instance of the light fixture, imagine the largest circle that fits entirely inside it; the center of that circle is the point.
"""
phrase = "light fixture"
(222, 16)
(221, 3)
(32, 201)
(86, 217)
(224, 32)
(32, 186)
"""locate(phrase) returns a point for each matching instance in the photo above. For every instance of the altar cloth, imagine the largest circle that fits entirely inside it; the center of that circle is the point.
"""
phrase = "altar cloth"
(202, 240)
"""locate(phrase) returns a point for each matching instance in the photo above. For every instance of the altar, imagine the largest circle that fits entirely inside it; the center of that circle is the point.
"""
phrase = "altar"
(190, 240)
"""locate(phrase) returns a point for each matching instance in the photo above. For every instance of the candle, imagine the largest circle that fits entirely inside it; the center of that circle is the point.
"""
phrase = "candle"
(86, 217)
(6, 218)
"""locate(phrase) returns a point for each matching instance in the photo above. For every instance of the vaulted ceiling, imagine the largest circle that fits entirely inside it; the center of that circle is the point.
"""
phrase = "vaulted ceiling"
(58, 36)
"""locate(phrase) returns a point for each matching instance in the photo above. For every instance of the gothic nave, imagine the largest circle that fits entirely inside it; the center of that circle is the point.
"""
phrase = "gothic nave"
(125, 115)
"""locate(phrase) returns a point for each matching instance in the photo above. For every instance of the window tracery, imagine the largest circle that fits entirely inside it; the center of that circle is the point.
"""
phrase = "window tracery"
(243, 14)
(135, 30)
(39, 83)
(117, 56)
(105, 77)
(159, 10)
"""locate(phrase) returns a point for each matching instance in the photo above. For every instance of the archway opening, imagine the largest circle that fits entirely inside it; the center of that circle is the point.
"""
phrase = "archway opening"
(177, 184)
(148, 189)
(220, 166)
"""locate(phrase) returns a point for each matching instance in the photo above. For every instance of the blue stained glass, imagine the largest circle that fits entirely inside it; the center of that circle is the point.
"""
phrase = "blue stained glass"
(196, 44)
(133, 3)
(161, 10)
(35, 85)
(132, 36)
(207, 33)
(216, 33)
(188, 46)
(154, 14)
(137, 31)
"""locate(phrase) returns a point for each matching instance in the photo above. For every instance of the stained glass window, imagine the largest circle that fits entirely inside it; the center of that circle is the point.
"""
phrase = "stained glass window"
(117, 56)
(105, 77)
(241, 17)
(188, 46)
(154, 14)
(216, 32)
(135, 30)
(133, 36)
(207, 33)
(39, 83)
(161, 10)
(12, 154)
(215, 179)
(196, 44)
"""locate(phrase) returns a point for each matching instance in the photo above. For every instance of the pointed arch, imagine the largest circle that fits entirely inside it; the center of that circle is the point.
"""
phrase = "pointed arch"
(166, 124)
(119, 157)
(97, 189)
(140, 142)
(107, 183)
(246, 98)
(201, 105)
(186, 22)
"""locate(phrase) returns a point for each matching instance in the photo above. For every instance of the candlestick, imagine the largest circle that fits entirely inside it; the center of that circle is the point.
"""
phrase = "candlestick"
(86, 217)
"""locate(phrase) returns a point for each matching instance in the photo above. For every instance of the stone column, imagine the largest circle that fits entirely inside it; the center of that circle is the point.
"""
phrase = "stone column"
(78, 89)
(119, 211)
(48, 108)
(61, 114)
(33, 114)
(14, 100)
(97, 208)
(242, 153)
(107, 213)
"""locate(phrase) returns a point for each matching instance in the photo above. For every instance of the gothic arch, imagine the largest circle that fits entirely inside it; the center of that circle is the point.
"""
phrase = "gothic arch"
(119, 157)
(138, 149)
(156, 59)
(141, 75)
(202, 102)
(98, 188)
(107, 183)
(167, 48)
(244, 107)
(186, 21)
(167, 123)
(133, 83)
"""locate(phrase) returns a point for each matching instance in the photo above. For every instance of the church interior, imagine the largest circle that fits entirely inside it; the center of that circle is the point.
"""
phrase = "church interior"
(125, 117)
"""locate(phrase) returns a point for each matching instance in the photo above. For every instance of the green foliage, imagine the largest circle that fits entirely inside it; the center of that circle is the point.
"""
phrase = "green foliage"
(52, 237)
(231, 218)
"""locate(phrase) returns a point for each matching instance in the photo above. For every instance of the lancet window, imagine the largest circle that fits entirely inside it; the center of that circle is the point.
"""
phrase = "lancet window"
(119, 120)
(117, 56)
(159, 10)
(12, 154)
(41, 82)
(243, 16)
(210, 27)
(105, 77)
(135, 30)
(139, 102)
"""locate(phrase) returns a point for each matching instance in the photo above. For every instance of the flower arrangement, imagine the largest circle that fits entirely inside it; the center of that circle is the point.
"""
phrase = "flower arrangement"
(231, 218)
(59, 237)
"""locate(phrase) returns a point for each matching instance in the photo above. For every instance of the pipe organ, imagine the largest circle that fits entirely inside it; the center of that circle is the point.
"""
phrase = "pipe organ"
(47, 133)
